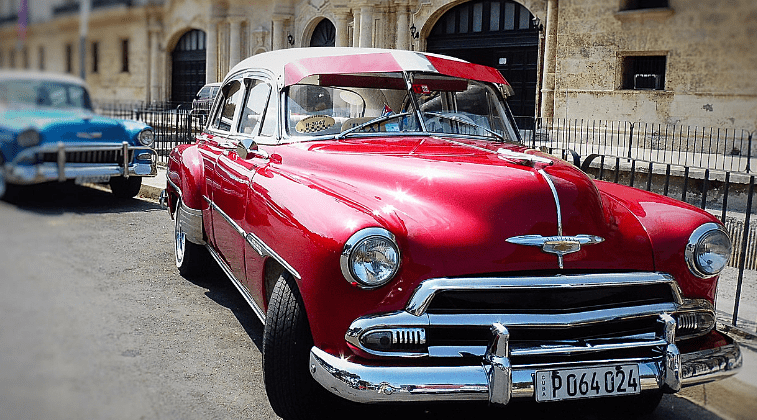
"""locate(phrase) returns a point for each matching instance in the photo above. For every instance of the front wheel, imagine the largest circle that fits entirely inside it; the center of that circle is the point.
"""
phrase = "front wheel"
(292, 391)
(125, 187)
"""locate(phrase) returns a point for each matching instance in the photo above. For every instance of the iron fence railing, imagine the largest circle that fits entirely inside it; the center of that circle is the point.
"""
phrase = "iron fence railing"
(174, 123)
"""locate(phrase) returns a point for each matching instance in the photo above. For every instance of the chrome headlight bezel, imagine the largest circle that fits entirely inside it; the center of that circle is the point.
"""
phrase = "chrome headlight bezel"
(375, 238)
(146, 137)
(28, 138)
(700, 243)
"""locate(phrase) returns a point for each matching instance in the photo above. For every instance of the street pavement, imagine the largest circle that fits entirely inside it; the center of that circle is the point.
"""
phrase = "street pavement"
(732, 398)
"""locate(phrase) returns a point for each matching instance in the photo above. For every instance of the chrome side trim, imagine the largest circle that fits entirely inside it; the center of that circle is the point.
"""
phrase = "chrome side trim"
(256, 243)
(242, 289)
(424, 294)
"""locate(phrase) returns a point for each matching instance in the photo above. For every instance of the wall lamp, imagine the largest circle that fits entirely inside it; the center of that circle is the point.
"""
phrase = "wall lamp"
(290, 39)
(414, 34)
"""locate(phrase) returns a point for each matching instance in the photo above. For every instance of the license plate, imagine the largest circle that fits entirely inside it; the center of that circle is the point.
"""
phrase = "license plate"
(570, 384)
(92, 179)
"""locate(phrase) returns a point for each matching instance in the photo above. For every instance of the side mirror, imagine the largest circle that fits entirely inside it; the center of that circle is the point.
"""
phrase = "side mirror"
(247, 148)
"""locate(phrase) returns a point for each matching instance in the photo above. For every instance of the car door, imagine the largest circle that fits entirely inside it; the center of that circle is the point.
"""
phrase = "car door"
(257, 138)
(226, 180)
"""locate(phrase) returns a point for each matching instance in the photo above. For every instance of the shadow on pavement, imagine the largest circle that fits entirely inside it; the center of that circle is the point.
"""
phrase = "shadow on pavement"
(66, 197)
(222, 291)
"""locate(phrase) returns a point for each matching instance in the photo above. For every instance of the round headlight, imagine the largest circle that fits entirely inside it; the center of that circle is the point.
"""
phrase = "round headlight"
(370, 258)
(28, 138)
(708, 250)
(146, 137)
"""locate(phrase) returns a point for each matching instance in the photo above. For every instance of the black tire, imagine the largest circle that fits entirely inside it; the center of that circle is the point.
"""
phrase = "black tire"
(292, 391)
(191, 259)
(125, 187)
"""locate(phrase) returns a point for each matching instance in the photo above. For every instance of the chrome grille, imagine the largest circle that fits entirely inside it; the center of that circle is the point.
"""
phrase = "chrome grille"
(570, 318)
(89, 156)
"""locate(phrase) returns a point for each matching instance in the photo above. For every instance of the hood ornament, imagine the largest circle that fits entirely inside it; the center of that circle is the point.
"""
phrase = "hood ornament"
(558, 245)
(89, 136)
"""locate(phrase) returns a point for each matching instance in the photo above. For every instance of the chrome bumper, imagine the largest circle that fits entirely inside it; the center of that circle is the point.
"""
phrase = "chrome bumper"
(22, 173)
(496, 381)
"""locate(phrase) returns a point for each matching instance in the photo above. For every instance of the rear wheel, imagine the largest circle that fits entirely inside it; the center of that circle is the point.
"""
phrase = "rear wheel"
(190, 257)
(125, 187)
(292, 391)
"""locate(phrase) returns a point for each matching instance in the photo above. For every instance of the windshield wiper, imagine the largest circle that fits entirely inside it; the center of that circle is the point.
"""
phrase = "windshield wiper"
(376, 120)
(466, 122)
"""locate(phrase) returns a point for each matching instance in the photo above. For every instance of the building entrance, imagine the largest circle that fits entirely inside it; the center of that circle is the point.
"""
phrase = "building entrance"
(188, 71)
(500, 34)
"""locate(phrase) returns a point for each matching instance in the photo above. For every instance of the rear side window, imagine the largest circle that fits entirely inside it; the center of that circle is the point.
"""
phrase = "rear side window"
(233, 94)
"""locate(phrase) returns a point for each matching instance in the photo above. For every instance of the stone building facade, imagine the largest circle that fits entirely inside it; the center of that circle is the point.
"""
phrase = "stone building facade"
(690, 62)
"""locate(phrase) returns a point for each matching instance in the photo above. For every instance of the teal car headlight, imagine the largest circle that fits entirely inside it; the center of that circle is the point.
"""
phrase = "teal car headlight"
(146, 137)
(28, 138)
(708, 250)
(371, 258)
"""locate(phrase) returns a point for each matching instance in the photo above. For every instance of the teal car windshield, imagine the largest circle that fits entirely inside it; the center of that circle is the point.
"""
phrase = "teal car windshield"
(44, 93)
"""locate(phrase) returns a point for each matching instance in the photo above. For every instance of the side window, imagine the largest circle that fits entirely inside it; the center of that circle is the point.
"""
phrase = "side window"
(253, 112)
(233, 94)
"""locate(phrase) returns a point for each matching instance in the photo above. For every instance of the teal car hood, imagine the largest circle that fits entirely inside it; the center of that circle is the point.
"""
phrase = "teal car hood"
(67, 125)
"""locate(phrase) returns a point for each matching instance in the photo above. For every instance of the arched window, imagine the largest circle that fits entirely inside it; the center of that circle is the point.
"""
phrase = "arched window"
(324, 34)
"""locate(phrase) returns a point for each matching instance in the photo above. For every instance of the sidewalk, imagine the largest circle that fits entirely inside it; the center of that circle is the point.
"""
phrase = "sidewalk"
(735, 397)
(152, 186)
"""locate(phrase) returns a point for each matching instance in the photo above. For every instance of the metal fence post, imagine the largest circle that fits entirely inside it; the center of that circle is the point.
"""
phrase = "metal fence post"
(742, 257)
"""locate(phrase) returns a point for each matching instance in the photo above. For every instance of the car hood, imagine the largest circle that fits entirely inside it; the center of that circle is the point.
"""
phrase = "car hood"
(455, 203)
(67, 125)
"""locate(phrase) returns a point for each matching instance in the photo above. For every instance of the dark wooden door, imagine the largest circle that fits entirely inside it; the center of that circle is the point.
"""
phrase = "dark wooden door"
(188, 71)
(500, 34)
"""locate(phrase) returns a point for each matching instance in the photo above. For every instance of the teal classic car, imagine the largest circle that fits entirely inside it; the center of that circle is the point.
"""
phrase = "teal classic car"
(49, 132)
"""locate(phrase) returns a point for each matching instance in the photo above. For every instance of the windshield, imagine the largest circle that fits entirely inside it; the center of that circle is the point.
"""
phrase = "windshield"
(346, 105)
(44, 93)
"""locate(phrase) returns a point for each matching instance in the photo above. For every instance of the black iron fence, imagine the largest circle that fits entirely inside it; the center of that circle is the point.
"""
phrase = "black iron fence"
(707, 167)
(174, 123)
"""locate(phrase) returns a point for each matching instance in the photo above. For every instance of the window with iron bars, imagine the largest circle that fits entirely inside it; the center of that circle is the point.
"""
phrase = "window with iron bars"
(643, 72)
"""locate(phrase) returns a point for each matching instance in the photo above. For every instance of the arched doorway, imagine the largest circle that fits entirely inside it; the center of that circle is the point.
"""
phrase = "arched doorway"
(500, 34)
(324, 34)
(188, 71)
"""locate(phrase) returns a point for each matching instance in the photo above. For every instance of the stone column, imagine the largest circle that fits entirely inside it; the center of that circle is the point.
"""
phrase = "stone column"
(211, 52)
(155, 79)
(550, 61)
(366, 26)
(341, 23)
(235, 40)
(278, 31)
(355, 28)
(403, 26)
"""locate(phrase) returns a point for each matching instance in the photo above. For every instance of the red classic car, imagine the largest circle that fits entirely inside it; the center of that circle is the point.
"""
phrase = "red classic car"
(379, 213)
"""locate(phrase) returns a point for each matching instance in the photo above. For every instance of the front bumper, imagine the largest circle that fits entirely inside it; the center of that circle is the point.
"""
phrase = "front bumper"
(497, 381)
(26, 169)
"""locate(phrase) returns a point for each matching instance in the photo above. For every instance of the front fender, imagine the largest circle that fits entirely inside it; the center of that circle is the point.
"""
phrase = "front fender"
(668, 223)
